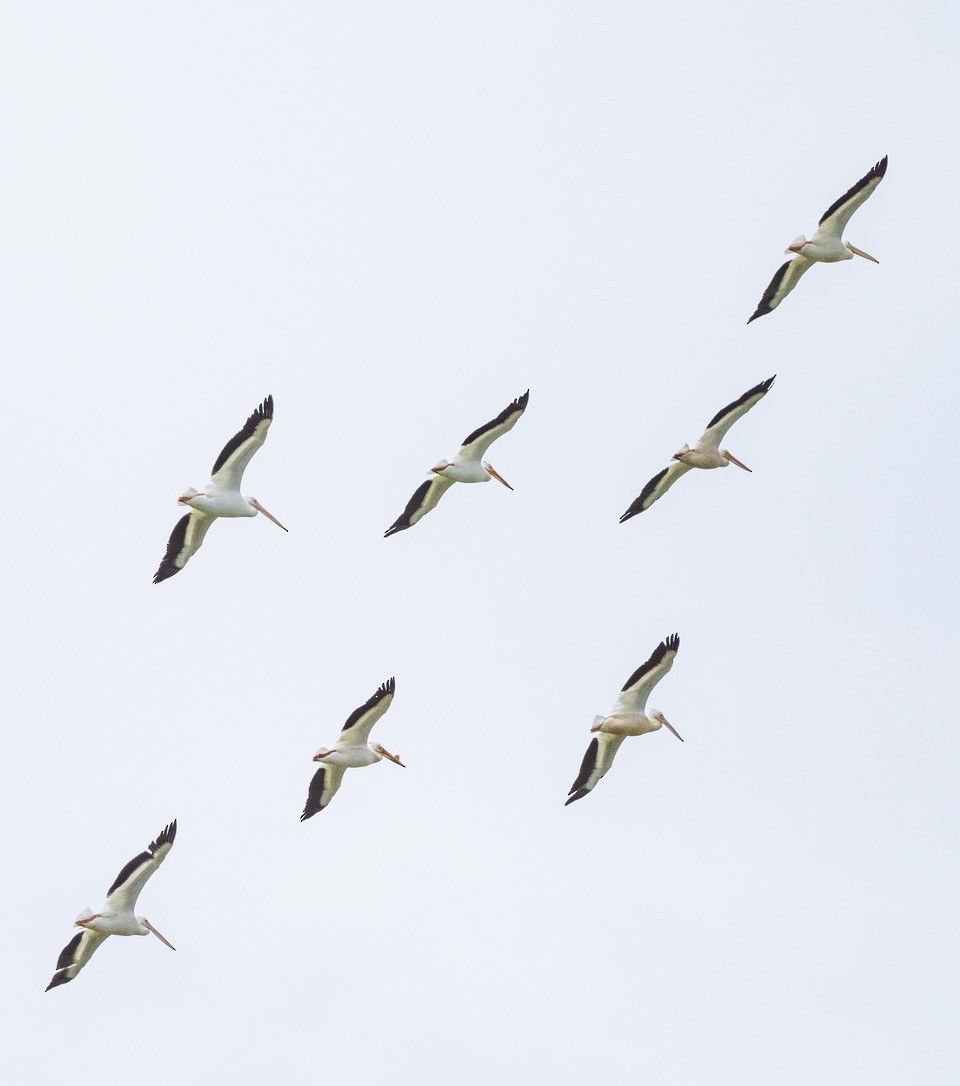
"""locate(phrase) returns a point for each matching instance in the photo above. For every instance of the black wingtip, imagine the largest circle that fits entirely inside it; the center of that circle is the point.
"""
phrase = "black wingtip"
(58, 979)
(579, 794)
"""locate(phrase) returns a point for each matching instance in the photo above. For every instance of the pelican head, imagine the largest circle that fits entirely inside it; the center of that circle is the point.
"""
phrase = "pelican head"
(796, 246)
(859, 252)
(730, 458)
(662, 720)
(377, 749)
(149, 927)
(258, 508)
(491, 472)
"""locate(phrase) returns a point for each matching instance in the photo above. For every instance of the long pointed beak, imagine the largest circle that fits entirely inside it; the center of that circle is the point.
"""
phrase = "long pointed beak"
(165, 942)
(392, 757)
(499, 478)
(259, 508)
(860, 252)
(734, 460)
(667, 724)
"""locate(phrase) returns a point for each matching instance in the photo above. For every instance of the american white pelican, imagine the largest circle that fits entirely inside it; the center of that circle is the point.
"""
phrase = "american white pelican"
(222, 497)
(467, 467)
(351, 752)
(705, 454)
(628, 717)
(826, 245)
(116, 916)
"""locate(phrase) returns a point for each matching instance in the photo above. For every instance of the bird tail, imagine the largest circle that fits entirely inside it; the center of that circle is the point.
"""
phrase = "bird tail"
(188, 493)
(598, 720)
(85, 914)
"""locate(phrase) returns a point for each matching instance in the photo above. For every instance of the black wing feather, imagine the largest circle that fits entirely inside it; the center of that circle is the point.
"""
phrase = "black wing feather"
(175, 543)
(668, 643)
(314, 795)
(264, 411)
(389, 687)
(520, 401)
(878, 171)
(764, 386)
(166, 836)
(403, 521)
(764, 306)
(587, 766)
(637, 506)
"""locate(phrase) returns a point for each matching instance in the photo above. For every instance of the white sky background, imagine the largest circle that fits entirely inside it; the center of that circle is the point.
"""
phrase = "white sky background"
(395, 219)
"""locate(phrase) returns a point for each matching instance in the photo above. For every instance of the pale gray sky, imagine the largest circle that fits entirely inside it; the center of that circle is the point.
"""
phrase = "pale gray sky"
(396, 218)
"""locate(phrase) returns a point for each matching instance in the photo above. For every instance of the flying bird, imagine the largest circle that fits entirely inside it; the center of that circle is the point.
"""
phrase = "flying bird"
(467, 467)
(116, 916)
(628, 717)
(222, 497)
(705, 454)
(352, 750)
(826, 245)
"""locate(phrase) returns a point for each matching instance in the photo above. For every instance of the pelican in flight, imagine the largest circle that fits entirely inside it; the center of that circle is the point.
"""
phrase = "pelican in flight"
(826, 245)
(222, 497)
(352, 750)
(116, 916)
(467, 467)
(705, 454)
(628, 717)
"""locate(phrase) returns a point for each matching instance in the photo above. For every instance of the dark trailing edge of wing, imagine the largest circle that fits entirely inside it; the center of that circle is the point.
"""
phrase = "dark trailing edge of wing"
(314, 795)
(389, 687)
(174, 546)
(668, 643)
(764, 306)
(166, 836)
(587, 766)
(264, 411)
(877, 172)
(403, 521)
(520, 402)
(637, 506)
(64, 962)
(764, 387)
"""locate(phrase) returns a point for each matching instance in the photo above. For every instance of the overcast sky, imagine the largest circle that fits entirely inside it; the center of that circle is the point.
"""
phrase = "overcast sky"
(396, 218)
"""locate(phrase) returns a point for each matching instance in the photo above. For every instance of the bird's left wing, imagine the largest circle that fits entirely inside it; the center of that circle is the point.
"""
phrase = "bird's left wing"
(126, 887)
(835, 218)
(322, 789)
(235, 455)
(596, 762)
(356, 731)
(425, 498)
(75, 956)
(636, 690)
(725, 418)
(477, 443)
(184, 542)
(786, 278)
(656, 488)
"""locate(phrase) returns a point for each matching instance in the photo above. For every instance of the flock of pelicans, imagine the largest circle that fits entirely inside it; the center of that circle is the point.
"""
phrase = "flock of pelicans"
(629, 716)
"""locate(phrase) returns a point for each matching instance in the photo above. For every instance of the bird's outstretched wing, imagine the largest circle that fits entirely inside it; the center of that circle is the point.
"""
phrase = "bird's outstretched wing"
(786, 278)
(834, 220)
(356, 731)
(721, 422)
(322, 789)
(476, 444)
(636, 690)
(656, 488)
(184, 542)
(75, 956)
(596, 762)
(425, 498)
(123, 894)
(235, 455)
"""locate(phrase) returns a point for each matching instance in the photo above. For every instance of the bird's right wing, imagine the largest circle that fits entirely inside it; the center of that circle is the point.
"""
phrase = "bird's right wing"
(787, 277)
(75, 956)
(476, 443)
(636, 690)
(184, 542)
(323, 788)
(235, 455)
(356, 731)
(721, 422)
(424, 499)
(596, 762)
(835, 218)
(656, 488)
(126, 887)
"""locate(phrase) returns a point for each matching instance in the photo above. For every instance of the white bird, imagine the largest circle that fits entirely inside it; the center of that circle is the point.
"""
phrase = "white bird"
(222, 497)
(826, 245)
(116, 916)
(351, 752)
(467, 467)
(628, 717)
(705, 454)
